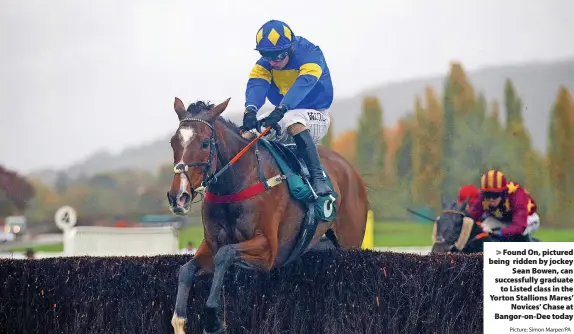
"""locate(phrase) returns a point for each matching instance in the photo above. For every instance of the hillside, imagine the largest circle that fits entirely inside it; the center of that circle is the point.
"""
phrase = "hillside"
(536, 83)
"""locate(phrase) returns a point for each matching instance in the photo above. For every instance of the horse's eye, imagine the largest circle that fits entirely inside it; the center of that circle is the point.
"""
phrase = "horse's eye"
(204, 144)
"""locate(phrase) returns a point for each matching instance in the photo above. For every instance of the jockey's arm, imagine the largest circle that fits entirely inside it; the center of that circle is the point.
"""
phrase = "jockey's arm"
(309, 74)
(258, 85)
(519, 207)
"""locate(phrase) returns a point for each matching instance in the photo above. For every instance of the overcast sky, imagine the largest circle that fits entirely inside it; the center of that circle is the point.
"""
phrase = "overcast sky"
(80, 76)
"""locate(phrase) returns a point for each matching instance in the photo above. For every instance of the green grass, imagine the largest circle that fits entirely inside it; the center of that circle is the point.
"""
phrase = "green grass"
(402, 234)
(387, 234)
(405, 234)
(41, 248)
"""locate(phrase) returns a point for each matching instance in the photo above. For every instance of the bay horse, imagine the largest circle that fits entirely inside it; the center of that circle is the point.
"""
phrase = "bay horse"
(250, 217)
(454, 231)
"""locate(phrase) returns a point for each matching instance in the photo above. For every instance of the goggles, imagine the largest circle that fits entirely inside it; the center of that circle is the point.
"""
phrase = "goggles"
(492, 194)
(274, 56)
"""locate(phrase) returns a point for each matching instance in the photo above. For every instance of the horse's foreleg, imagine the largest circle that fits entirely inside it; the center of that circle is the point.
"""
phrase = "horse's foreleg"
(203, 258)
(253, 253)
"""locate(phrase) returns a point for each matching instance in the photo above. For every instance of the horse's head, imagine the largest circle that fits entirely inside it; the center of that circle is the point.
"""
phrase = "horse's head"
(451, 229)
(195, 152)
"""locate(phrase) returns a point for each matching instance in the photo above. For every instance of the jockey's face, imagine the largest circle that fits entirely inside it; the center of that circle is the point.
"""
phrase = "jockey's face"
(493, 202)
(279, 64)
(277, 60)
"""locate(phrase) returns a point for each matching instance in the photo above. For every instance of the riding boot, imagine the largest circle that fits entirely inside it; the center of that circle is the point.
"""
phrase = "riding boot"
(307, 149)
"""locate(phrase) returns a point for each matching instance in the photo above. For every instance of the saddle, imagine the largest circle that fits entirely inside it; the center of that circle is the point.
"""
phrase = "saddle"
(298, 177)
(289, 153)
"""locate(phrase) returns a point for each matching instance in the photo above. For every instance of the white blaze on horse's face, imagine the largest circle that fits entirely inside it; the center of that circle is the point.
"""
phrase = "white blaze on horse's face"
(186, 136)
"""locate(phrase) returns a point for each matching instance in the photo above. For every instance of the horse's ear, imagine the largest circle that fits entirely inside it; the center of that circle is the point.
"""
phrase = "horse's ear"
(218, 109)
(444, 203)
(464, 204)
(179, 108)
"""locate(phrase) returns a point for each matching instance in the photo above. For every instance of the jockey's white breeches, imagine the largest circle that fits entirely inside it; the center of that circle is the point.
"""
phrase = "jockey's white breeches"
(317, 121)
(533, 221)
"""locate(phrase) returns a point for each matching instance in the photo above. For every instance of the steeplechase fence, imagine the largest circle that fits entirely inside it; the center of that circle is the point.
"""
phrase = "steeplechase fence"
(335, 291)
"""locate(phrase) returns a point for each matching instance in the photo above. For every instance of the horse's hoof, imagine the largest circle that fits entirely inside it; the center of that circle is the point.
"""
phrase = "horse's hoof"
(219, 331)
(178, 324)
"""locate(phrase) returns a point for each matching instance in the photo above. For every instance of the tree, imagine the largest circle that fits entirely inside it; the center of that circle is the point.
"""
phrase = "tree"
(15, 192)
(370, 141)
(561, 156)
(371, 153)
(62, 182)
(494, 119)
(404, 155)
(513, 105)
(44, 204)
(458, 102)
(427, 152)
(346, 145)
(515, 128)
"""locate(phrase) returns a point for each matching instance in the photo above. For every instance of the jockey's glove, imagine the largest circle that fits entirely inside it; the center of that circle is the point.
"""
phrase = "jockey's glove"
(274, 117)
(249, 119)
(486, 228)
(497, 233)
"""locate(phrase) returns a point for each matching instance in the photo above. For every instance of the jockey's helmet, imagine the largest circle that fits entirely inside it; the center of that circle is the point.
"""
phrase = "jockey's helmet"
(274, 40)
(493, 184)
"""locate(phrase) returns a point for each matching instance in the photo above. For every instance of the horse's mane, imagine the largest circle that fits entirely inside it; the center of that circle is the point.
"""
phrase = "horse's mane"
(198, 108)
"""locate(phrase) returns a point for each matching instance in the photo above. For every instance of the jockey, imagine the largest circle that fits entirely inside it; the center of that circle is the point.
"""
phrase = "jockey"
(293, 75)
(511, 206)
(469, 192)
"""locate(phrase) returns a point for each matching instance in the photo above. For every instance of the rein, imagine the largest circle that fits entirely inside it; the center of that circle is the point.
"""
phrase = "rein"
(209, 177)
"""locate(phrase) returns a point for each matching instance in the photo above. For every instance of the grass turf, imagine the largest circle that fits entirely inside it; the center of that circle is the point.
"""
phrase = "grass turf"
(387, 234)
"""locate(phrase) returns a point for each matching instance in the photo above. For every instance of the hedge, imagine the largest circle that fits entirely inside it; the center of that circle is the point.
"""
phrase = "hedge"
(333, 291)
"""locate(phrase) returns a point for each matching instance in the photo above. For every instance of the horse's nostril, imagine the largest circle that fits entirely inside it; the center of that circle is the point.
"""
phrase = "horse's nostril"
(184, 199)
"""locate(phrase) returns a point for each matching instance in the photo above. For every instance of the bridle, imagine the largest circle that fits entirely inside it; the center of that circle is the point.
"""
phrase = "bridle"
(209, 176)
(453, 248)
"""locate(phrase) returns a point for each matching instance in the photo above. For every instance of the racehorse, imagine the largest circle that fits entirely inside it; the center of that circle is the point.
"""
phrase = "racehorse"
(454, 231)
(251, 216)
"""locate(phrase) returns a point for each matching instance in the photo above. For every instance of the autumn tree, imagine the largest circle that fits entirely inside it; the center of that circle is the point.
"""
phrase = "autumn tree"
(371, 146)
(15, 193)
(346, 145)
(513, 105)
(515, 127)
(493, 120)
(561, 156)
(458, 102)
(402, 159)
(371, 154)
(404, 153)
(427, 152)
(44, 204)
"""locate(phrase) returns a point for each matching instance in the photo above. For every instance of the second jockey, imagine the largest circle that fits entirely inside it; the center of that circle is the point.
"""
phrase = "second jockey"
(293, 75)
(507, 204)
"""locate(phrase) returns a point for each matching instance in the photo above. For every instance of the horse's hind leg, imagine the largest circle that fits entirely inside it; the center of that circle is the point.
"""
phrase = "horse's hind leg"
(203, 258)
(349, 226)
(253, 253)
(332, 237)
